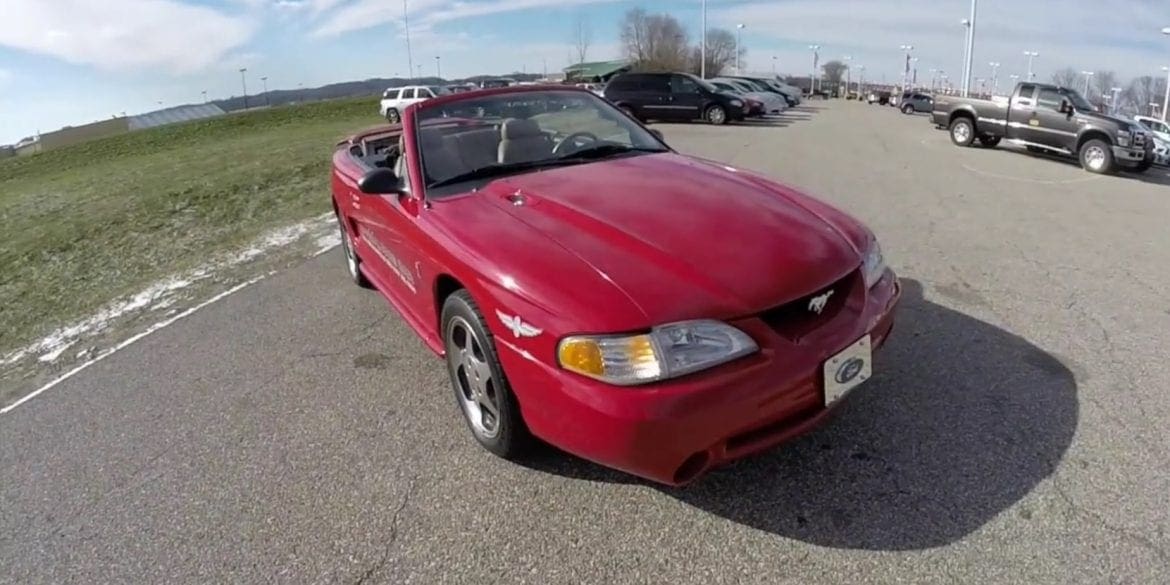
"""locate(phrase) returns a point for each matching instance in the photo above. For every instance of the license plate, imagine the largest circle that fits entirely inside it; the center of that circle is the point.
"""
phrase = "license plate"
(848, 370)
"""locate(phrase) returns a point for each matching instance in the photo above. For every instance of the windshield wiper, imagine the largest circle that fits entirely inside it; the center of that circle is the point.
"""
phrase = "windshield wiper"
(497, 170)
(603, 150)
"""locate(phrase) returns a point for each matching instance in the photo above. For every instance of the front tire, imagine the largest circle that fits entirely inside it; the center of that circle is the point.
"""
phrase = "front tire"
(392, 116)
(716, 115)
(1097, 157)
(907, 109)
(477, 378)
(962, 131)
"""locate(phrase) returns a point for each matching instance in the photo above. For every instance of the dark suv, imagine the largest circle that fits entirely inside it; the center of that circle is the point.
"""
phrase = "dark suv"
(673, 96)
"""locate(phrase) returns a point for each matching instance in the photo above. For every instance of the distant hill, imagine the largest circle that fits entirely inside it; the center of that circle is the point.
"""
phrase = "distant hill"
(348, 89)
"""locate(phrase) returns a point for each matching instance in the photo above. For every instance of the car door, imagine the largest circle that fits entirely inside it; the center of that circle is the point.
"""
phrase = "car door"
(389, 223)
(652, 94)
(1048, 125)
(685, 99)
(406, 98)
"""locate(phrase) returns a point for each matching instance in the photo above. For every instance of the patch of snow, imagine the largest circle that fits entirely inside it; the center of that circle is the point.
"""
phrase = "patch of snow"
(162, 294)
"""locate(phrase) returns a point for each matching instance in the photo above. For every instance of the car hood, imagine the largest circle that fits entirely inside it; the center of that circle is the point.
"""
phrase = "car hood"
(683, 238)
(1121, 123)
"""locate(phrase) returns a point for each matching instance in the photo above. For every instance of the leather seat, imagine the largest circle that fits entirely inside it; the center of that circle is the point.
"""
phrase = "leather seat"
(523, 141)
(438, 160)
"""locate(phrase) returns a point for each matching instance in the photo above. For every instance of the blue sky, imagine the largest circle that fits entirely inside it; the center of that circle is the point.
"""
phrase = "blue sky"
(76, 61)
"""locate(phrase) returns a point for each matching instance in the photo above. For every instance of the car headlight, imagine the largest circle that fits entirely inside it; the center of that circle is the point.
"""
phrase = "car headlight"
(667, 351)
(736, 103)
(874, 265)
(1123, 139)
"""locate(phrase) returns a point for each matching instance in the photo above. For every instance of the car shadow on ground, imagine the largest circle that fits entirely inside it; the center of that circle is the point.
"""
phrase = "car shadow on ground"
(1154, 175)
(961, 422)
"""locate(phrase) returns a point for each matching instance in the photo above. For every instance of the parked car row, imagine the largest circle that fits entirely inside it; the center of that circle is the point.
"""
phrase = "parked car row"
(683, 96)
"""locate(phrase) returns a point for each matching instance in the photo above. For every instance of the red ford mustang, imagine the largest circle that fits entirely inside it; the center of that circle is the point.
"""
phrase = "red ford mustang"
(587, 285)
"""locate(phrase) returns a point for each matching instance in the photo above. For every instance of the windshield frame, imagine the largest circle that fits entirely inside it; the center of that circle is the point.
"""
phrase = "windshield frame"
(414, 122)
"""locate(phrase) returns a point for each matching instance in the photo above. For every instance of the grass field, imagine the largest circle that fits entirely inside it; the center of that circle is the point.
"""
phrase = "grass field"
(88, 223)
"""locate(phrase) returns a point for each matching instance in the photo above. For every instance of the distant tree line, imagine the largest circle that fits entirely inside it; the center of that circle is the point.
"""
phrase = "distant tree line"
(1134, 97)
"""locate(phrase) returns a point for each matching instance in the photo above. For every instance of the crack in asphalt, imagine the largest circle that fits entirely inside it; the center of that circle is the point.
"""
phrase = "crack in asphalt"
(1135, 537)
(385, 557)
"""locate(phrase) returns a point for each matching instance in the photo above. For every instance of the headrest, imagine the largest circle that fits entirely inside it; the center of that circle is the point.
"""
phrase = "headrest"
(514, 128)
(430, 138)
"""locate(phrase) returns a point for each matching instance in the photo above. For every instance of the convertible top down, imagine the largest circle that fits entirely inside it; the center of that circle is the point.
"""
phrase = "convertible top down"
(587, 285)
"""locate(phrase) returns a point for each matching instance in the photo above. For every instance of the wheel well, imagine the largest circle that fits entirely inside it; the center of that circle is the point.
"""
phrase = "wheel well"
(961, 114)
(445, 286)
(1090, 135)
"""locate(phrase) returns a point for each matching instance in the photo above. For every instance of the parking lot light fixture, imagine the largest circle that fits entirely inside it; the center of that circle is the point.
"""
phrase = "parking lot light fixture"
(812, 78)
(906, 67)
(1031, 55)
(738, 33)
(969, 55)
(1088, 75)
(994, 77)
(848, 74)
(703, 44)
(1166, 100)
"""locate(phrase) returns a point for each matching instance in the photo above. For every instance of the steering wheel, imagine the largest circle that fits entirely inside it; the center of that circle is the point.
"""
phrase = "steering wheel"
(573, 140)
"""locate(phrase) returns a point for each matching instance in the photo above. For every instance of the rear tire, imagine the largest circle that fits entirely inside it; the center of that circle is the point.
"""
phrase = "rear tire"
(352, 262)
(962, 131)
(478, 380)
(1096, 156)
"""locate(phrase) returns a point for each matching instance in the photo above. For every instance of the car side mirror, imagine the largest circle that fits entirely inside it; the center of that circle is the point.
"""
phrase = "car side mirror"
(1066, 106)
(379, 181)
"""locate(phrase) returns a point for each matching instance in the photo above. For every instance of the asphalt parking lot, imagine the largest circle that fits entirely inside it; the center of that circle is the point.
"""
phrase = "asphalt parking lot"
(1015, 432)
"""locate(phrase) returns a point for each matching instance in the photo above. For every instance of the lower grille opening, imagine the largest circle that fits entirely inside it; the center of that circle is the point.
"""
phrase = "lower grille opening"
(769, 431)
(692, 467)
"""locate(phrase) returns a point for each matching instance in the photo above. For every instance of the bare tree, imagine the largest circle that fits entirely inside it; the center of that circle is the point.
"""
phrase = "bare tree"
(1142, 92)
(834, 72)
(720, 52)
(1103, 84)
(582, 37)
(1066, 77)
(654, 42)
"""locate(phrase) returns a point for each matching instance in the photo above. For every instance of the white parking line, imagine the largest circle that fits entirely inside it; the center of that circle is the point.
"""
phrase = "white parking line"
(131, 340)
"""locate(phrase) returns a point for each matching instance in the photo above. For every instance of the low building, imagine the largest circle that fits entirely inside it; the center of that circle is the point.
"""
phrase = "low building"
(595, 72)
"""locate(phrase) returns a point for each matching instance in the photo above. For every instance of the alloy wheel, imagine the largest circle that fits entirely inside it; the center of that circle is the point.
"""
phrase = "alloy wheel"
(1095, 157)
(473, 378)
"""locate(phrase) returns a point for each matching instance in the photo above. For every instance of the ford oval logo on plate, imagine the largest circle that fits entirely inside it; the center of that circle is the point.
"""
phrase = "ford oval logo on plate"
(849, 370)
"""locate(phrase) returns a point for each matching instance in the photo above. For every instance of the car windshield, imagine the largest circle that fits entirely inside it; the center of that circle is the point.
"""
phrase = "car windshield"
(703, 83)
(483, 137)
(438, 91)
(1078, 101)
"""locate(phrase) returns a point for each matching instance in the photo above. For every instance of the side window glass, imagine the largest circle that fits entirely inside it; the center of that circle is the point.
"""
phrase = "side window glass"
(1049, 98)
(680, 84)
(392, 94)
(1026, 92)
(408, 93)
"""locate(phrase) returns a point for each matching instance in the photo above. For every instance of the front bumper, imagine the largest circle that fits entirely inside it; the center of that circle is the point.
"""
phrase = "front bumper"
(1131, 155)
(675, 431)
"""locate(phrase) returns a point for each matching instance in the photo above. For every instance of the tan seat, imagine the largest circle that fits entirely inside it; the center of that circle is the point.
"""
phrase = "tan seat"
(476, 148)
(522, 141)
(439, 161)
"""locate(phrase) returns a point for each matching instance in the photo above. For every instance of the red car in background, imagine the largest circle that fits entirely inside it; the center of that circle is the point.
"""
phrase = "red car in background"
(587, 285)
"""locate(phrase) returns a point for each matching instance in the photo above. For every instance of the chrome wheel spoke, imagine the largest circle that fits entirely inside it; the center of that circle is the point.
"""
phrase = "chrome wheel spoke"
(473, 378)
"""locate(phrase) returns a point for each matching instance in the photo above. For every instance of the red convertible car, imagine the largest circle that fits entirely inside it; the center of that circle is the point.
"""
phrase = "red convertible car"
(587, 285)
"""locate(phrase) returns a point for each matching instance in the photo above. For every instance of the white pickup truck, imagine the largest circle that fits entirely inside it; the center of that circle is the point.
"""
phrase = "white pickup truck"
(397, 98)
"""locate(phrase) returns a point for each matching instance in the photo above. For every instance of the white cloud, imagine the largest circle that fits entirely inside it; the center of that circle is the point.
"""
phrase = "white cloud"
(364, 14)
(124, 34)
(1085, 34)
(5, 77)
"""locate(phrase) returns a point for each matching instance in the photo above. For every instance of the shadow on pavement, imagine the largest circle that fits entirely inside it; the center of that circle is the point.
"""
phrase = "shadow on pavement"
(1154, 175)
(962, 421)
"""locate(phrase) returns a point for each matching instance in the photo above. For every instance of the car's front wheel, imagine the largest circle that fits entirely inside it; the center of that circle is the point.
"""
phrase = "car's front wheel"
(1097, 157)
(481, 389)
(907, 109)
(392, 116)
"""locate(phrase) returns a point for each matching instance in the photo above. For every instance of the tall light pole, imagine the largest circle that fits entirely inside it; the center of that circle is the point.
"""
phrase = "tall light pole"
(1116, 91)
(933, 72)
(738, 32)
(906, 66)
(264, 80)
(994, 77)
(848, 75)
(244, 82)
(1088, 76)
(970, 64)
(966, 47)
(860, 80)
(773, 64)
(703, 45)
(1031, 55)
(204, 92)
(1166, 100)
(812, 78)
(406, 28)
(438, 68)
